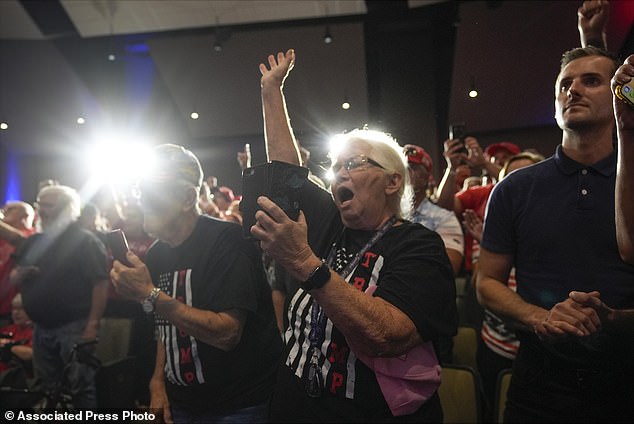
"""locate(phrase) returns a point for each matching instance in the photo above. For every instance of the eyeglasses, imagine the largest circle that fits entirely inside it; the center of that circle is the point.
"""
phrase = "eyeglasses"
(354, 163)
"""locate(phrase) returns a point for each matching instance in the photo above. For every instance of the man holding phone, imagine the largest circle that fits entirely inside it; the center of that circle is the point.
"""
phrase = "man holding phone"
(218, 344)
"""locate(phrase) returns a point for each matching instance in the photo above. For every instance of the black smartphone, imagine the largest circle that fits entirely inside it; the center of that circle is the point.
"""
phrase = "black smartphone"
(118, 245)
(457, 131)
(279, 181)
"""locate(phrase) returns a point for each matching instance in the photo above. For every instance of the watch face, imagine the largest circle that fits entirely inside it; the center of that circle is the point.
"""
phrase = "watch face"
(147, 306)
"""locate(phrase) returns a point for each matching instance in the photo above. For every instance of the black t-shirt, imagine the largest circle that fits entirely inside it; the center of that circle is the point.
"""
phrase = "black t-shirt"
(410, 269)
(69, 265)
(216, 269)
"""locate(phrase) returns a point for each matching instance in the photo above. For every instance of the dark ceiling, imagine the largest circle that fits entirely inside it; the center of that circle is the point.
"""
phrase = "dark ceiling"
(404, 67)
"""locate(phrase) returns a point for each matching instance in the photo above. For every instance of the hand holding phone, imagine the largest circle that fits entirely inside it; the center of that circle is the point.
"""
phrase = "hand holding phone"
(281, 182)
(625, 92)
(119, 246)
(457, 131)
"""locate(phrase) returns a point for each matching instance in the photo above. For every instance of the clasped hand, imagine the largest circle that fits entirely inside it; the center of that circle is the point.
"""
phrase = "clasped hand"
(580, 315)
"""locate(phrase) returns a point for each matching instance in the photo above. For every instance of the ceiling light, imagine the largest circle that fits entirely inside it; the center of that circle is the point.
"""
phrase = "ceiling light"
(81, 121)
(327, 36)
(4, 126)
(345, 105)
(112, 57)
(194, 115)
(473, 91)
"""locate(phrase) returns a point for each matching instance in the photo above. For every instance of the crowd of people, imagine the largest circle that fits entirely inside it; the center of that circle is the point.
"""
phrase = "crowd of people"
(347, 313)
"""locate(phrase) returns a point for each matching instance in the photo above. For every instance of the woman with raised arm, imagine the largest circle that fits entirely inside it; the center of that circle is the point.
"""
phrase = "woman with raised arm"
(377, 290)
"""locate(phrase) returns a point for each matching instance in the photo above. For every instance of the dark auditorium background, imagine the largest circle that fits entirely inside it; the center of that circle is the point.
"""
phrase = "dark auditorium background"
(142, 67)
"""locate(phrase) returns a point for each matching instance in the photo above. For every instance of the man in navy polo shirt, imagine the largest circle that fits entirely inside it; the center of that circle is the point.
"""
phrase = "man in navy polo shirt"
(554, 222)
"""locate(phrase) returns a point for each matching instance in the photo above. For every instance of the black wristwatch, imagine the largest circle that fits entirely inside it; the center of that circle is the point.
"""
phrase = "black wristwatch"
(317, 278)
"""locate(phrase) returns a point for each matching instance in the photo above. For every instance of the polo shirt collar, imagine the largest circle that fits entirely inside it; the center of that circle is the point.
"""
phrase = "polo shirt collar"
(606, 166)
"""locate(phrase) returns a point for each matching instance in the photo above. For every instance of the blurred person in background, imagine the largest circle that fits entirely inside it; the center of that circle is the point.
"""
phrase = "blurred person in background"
(64, 281)
(15, 226)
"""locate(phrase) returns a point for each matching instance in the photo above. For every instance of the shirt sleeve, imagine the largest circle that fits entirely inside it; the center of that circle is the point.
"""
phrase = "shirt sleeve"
(235, 277)
(499, 234)
(419, 281)
(450, 231)
(93, 262)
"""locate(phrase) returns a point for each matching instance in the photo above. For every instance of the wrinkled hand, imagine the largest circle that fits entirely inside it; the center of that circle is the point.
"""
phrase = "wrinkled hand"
(623, 113)
(281, 238)
(452, 153)
(132, 283)
(592, 17)
(473, 224)
(280, 67)
(567, 319)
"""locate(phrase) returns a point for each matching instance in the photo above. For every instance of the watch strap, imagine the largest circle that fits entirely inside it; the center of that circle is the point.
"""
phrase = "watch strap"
(317, 278)
(149, 302)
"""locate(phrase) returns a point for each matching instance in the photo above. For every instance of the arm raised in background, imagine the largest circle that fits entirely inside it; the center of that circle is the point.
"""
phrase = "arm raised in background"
(278, 134)
(592, 19)
(624, 192)
(447, 188)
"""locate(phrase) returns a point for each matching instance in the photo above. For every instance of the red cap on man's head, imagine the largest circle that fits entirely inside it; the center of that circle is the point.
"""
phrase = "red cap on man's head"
(418, 156)
(492, 149)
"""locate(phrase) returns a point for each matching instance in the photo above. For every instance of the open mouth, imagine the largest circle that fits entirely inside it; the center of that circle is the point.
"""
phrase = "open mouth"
(344, 194)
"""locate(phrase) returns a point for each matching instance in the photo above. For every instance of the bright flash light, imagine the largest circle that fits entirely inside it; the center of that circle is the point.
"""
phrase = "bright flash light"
(4, 126)
(114, 162)
(473, 94)
(345, 105)
(335, 145)
(194, 115)
(329, 175)
(81, 121)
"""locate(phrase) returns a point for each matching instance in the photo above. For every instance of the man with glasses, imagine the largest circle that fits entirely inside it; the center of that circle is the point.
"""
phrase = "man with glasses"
(64, 281)
(218, 342)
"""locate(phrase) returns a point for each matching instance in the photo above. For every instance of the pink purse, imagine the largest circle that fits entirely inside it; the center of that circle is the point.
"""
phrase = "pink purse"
(407, 381)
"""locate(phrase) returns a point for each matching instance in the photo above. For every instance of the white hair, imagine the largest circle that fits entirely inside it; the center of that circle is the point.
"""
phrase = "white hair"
(67, 197)
(386, 151)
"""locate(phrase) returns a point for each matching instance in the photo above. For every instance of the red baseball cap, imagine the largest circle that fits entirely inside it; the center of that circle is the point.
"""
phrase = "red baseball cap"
(418, 156)
(492, 149)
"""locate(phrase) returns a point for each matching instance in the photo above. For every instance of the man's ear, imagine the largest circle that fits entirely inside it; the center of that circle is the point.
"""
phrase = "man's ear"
(191, 198)
(394, 183)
